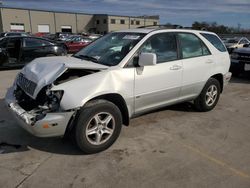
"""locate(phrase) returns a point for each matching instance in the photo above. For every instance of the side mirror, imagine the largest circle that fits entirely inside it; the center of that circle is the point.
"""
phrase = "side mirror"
(147, 59)
(246, 45)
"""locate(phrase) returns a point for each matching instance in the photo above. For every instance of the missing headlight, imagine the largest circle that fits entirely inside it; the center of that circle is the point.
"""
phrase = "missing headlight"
(54, 98)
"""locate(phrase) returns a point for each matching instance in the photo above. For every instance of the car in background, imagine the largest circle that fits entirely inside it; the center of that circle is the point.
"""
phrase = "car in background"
(234, 43)
(76, 43)
(9, 34)
(60, 36)
(18, 50)
(94, 36)
(240, 60)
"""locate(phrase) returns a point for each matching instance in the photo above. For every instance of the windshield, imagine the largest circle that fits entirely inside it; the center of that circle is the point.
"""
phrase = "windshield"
(110, 49)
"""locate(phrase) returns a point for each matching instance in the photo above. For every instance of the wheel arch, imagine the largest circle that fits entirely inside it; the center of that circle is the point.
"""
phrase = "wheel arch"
(119, 101)
(219, 77)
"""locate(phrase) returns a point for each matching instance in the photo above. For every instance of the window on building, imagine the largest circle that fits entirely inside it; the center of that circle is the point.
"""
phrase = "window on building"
(104, 21)
(137, 22)
(112, 21)
(132, 22)
(155, 23)
(97, 22)
(122, 21)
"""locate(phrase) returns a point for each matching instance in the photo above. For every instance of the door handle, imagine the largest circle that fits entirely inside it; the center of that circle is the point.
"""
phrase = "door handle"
(209, 61)
(175, 67)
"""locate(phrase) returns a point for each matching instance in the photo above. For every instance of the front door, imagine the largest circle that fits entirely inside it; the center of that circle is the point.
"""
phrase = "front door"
(159, 84)
(13, 50)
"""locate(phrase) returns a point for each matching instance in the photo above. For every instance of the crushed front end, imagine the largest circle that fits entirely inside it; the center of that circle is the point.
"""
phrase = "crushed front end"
(41, 116)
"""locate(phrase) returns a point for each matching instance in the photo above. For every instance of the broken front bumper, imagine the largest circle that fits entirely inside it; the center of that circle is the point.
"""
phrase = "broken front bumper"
(53, 124)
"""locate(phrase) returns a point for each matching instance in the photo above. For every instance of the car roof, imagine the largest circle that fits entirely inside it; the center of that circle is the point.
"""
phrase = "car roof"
(40, 38)
(25, 37)
(149, 30)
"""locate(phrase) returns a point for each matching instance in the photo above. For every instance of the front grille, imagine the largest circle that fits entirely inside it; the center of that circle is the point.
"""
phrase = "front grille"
(244, 57)
(26, 85)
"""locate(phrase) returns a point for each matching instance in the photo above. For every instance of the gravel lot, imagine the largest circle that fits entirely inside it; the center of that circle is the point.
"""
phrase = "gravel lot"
(173, 147)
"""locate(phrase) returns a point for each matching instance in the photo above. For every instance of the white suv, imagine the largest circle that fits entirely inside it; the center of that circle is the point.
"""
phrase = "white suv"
(121, 75)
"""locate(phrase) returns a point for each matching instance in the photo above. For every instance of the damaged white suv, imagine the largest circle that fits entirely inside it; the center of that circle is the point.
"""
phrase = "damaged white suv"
(117, 77)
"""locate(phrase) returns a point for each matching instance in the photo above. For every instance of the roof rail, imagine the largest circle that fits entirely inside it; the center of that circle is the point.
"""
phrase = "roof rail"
(162, 26)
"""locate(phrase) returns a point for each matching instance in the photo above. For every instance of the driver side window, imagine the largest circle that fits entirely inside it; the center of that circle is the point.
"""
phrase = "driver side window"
(163, 45)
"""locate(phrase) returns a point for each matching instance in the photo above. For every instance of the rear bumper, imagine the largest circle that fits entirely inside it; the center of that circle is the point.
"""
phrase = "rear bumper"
(226, 78)
(52, 124)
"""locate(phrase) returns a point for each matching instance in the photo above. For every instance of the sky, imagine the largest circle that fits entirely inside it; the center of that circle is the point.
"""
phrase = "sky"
(182, 12)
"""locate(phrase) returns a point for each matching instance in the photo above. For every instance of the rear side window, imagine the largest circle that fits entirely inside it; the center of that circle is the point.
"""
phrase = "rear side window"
(192, 46)
(215, 41)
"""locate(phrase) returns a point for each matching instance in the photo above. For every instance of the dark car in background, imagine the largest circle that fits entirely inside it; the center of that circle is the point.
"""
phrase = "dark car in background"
(9, 34)
(240, 60)
(17, 51)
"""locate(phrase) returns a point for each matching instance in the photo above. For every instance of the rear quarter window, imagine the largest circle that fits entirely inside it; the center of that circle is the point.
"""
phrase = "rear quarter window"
(215, 41)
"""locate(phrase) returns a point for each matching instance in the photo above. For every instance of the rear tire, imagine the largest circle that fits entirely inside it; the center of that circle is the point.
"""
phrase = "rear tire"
(98, 125)
(209, 96)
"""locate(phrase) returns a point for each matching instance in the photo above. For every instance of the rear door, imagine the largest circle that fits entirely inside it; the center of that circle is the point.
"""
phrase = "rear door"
(159, 84)
(197, 64)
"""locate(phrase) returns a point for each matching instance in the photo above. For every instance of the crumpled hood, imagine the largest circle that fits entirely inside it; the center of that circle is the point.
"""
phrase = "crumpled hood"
(44, 71)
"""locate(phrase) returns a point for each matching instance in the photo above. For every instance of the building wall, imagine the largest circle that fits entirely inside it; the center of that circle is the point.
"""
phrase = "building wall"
(101, 27)
(15, 16)
(117, 25)
(65, 19)
(130, 22)
(84, 23)
(79, 22)
(42, 18)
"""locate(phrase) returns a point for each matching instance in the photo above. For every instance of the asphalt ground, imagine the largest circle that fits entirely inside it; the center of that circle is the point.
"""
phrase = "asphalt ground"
(172, 147)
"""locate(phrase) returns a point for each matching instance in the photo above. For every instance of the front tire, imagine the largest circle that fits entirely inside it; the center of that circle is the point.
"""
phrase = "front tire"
(209, 96)
(98, 126)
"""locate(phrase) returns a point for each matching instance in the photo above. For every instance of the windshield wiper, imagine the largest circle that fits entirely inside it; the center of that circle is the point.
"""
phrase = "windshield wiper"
(90, 58)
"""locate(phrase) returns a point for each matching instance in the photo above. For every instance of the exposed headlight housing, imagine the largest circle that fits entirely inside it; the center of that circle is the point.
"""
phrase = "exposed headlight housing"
(54, 99)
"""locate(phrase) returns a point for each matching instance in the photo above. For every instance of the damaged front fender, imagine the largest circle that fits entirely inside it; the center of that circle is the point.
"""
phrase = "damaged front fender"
(79, 91)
